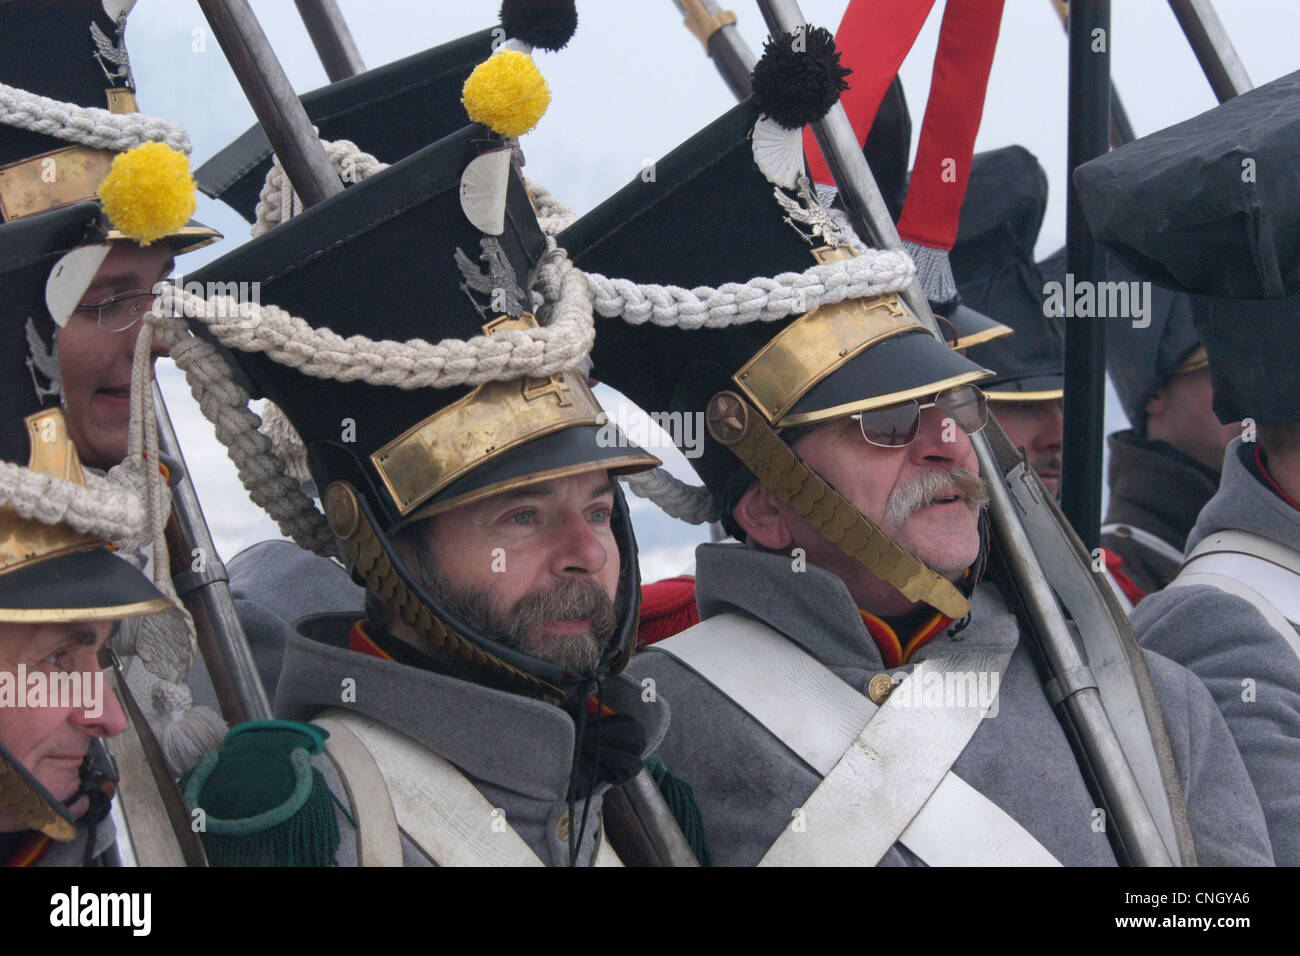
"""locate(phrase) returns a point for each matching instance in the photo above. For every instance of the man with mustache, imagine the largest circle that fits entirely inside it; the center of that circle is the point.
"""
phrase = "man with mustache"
(863, 615)
(475, 713)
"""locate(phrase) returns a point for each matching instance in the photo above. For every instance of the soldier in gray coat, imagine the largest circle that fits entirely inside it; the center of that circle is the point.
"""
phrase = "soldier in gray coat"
(473, 713)
(838, 451)
(1210, 227)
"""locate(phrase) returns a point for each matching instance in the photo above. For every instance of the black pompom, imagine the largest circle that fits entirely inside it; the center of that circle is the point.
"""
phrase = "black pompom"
(546, 24)
(799, 78)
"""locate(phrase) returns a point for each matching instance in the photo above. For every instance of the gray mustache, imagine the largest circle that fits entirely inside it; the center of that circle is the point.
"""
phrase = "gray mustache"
(569, 601)
(918, 492)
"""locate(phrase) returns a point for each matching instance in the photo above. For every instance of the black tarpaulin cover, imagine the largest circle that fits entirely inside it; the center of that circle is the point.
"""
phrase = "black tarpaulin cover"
(1211, 206)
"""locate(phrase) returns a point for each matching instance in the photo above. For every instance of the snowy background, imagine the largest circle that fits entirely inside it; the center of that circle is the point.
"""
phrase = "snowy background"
(633, 84)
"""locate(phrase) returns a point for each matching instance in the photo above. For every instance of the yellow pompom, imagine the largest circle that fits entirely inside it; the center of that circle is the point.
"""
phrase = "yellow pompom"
(506, 93)
(149, 192)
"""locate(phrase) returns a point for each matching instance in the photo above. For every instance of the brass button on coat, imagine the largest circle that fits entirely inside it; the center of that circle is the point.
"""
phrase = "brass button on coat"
(879, 688)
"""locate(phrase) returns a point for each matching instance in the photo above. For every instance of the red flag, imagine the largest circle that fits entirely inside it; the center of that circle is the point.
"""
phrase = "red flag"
(873, 39)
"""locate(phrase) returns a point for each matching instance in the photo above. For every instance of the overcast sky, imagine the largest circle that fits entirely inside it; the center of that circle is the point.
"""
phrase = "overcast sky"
(633, 84)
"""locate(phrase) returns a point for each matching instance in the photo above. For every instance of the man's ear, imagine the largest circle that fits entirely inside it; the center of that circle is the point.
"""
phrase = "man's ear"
(1157, 404)
(763, 517)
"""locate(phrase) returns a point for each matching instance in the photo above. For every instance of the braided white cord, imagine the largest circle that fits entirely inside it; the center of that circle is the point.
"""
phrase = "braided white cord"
(552, 214)
(100, 508)
(693, 504)
(759, 300)
(322, 353)
(277, 201)
(224, 403)
(87, 125)
(142, 459)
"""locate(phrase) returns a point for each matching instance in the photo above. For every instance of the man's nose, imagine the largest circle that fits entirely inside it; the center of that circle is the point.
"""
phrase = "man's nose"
(578, 551)
(111, 719)
(1052, 433)
(127, 339)
(939, 438)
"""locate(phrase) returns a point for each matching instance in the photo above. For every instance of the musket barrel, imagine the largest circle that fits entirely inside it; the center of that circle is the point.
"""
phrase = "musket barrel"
(1214, 51)
(725, 46)
(273, 99)
(333, 40)
(1138, 833)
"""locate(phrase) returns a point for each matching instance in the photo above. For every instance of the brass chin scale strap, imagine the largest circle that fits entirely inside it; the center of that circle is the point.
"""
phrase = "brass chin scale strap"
(370, 564)
(23, 800)
(733, 423)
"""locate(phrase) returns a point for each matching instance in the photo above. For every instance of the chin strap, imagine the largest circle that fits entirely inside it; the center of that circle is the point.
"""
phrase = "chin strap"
(23, 796)
(733, 423)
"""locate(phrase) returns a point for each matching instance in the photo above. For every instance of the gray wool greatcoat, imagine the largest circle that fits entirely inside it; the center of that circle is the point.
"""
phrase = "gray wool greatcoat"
(1249, 668)
(747, 783)
(517, 751)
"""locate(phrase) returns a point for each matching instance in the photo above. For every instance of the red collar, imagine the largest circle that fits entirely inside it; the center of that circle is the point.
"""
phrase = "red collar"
(895, 652)
(362, 643)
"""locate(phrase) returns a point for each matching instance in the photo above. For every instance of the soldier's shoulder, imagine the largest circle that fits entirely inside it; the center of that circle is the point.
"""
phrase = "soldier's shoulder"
(259, 801)
(1195, 614)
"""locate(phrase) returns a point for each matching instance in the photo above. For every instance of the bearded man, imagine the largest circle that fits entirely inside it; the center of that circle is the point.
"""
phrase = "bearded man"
(475, 715)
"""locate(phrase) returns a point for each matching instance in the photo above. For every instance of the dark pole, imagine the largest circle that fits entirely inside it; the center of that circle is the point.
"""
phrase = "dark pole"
(1085, 338)
(1121, 130)
(333, 40)
(272, 97)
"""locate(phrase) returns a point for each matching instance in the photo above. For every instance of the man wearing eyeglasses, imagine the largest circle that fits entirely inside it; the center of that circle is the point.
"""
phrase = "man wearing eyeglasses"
(859, 691)
(97, 344)
(99, 280)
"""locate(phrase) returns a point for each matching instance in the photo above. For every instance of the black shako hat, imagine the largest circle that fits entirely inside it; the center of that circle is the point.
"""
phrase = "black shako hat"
(389, 112)
(993, 265)
(1211, 207)
(70, 51)
(29, 248)
(709, 218)
(395, 258)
